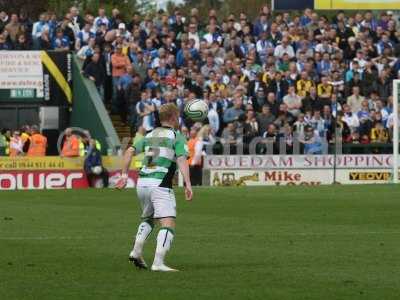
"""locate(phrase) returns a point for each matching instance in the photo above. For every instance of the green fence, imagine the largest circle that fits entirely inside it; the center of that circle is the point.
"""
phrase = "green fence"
(89, 112)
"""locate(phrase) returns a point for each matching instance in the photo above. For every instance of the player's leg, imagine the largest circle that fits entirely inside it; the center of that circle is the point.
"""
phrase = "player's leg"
(165, 211)
(145, 228)
(165, 237)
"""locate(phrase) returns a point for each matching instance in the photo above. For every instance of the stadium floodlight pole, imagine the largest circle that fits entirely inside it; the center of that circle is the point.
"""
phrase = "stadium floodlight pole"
(396, 84)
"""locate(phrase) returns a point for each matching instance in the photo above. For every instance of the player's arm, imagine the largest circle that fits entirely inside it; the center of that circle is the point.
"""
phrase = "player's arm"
(181, 152)
(184, 169)
(126, 162)
(128, 155)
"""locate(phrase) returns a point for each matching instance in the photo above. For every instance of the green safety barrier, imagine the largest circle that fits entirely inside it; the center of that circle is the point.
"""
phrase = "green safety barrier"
(89, 112)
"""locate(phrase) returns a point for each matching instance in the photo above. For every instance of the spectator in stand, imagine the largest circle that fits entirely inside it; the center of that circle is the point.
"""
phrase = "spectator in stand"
(45, 40)
(60, 42)
(125, 82)
(215, 113)
(272, 104)
(318, 123)
(106, 61)
(383, 85)
(3, 19)
(384, 43)
(194, 156)
(304, 84)
(16, 144)
(13, 28)
(286, 135)
(145, 111)
(38, 29)
(87, 50)
(257, 91)
(69, 30)
(235, 113)
(132, 97)
(21, 43)
(4, 44)
(71, 144)
(76, 20)
(379, 134)
(119, 62)
(37, 143)
(95, 72)
(265, 118)
(284, 48)
(100, 20)
(4, 143)
(250, 126)
(311, 141)
(84, 36)
(293, 101)
(25, 136)
(193, 34)
(350, 118)
(355, 100)
(325, 90)
(363, 116)
(310, 101)
(271, 140)
(212, 35)
(300, 125)
(230, 137)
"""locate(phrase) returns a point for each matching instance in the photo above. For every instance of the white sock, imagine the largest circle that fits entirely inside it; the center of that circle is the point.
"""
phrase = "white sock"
(164, 241)
(142, 234)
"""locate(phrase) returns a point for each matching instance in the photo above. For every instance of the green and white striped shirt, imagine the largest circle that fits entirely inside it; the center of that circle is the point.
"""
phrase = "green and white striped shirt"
(161, 147)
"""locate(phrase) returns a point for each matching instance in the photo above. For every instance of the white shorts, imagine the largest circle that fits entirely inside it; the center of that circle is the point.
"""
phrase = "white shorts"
(156, 202)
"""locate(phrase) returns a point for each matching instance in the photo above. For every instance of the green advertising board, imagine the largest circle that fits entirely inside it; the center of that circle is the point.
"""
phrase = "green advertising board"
(22, 93)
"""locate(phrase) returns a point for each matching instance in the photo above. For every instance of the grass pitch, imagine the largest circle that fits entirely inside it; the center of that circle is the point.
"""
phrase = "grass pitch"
(338, 242)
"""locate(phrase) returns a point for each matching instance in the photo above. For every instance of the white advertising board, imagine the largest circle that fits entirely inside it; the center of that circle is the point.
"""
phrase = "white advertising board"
(297, 177)
(21, 70)
(267, 162)
(246, 170)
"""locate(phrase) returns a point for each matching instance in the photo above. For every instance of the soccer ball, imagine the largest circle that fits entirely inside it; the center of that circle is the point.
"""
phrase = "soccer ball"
(196, 110)
(97, 170)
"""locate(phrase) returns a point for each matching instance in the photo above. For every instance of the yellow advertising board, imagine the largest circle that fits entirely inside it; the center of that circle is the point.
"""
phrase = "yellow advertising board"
(58, 163)
(357, 4)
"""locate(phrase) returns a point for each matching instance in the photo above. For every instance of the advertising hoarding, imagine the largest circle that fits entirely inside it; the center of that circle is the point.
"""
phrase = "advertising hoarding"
(21, 72)
(297, 177)
(297, 161)
(36, 76)
(357, 4)
(49, 172)
(336, 4)
(246, 170)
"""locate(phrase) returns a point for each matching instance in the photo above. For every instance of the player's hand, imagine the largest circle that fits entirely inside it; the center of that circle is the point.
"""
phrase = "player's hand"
(188, 193)
(121, 183)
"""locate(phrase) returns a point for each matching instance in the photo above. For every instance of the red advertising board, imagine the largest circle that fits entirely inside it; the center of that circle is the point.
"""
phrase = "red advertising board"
(52, 172)
(53, 179)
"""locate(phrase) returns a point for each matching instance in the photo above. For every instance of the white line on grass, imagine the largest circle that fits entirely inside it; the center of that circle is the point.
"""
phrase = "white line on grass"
(48, 238)
(268, 234)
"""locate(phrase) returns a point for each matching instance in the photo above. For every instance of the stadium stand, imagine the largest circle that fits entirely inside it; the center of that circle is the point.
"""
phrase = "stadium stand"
(272, 77)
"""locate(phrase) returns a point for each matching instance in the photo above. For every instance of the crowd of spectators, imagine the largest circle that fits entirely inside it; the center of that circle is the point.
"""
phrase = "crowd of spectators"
(274, 76)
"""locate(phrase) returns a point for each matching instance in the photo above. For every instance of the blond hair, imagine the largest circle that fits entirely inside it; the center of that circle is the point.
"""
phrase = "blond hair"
(168, 111)
(203, 132)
